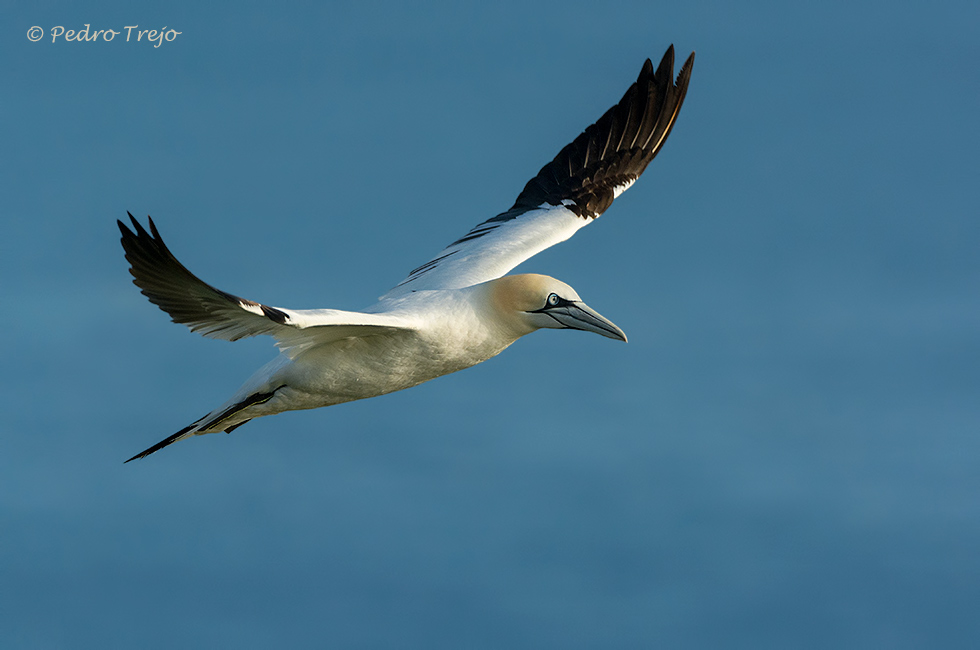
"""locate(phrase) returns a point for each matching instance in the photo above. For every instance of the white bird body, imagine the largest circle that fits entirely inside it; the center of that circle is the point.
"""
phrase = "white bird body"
(434, 333)
(428, 334)
(451, 313)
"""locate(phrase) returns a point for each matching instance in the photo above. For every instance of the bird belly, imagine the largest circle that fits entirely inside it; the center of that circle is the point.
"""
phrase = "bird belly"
(359, 368)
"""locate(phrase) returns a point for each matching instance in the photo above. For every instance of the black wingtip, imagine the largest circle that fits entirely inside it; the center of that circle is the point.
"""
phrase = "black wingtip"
(615, 150)
(123, 228)
(153, 227)
(138, 230)
(685, 74)
(666, 68)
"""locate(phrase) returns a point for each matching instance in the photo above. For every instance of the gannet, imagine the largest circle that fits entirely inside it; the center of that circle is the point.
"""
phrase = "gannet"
(456, 310)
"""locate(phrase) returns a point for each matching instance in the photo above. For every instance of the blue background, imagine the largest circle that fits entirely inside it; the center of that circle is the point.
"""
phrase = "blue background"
(784, 455)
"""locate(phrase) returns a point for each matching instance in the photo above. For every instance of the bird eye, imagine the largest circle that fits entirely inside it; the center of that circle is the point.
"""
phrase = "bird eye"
(553, 300)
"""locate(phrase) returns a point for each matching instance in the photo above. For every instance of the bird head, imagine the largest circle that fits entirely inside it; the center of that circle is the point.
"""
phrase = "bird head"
(532, 302)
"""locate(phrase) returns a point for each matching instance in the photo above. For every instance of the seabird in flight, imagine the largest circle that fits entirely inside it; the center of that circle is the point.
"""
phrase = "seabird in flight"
(454, 311)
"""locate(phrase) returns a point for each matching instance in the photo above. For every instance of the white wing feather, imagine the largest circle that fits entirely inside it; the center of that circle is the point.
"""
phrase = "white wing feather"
(491, 250)
(570, 191)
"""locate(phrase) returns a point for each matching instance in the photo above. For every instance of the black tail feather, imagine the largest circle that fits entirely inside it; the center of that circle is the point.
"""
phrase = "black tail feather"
(163, 443)
(251, 400)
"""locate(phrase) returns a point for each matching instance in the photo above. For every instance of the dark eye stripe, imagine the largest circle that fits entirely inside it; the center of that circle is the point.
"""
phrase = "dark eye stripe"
(552, 302)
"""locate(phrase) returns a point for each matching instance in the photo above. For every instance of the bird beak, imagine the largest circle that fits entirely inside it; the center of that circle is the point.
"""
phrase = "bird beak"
(580, 316)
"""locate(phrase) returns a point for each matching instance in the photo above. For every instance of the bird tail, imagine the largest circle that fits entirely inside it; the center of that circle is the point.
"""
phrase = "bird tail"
(211, 423)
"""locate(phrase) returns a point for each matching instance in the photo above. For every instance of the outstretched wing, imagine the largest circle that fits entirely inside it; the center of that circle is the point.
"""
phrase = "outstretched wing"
(216, 314)
(570, 191)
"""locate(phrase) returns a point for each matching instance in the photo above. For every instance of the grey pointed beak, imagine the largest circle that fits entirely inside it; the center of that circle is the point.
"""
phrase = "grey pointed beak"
(580, 316)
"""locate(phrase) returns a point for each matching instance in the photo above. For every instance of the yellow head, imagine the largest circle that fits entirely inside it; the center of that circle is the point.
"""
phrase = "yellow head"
(529, 302)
